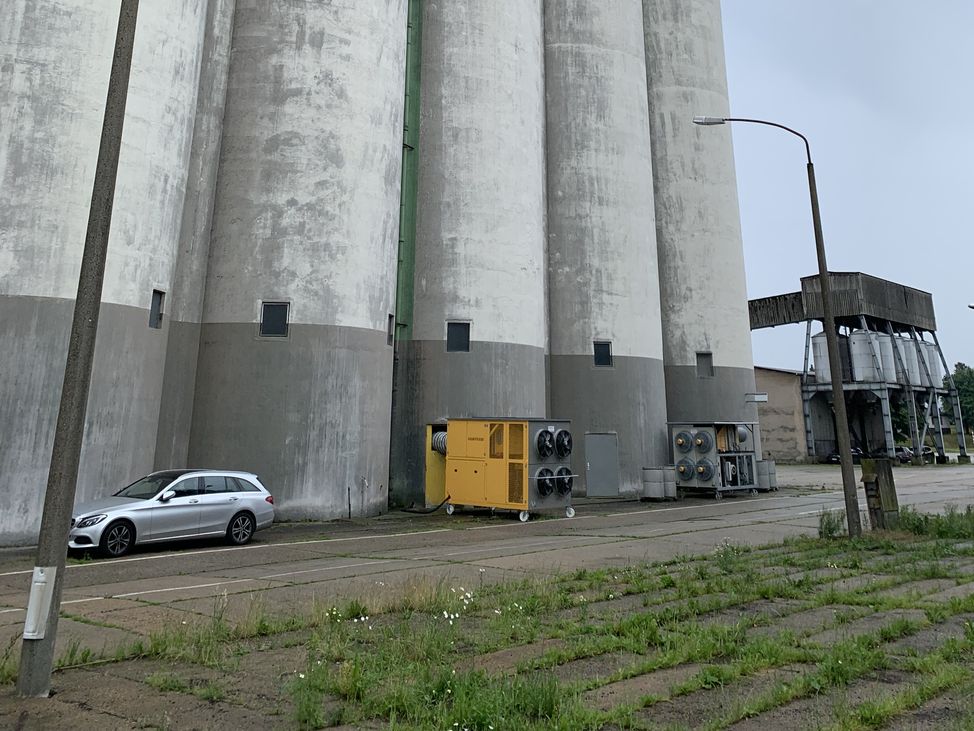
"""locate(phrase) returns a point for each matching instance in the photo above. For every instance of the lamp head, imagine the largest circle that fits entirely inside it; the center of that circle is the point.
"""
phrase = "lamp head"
(708, 120)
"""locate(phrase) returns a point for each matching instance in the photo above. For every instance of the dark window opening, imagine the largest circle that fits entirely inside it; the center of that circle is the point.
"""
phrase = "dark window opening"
(155, 309)
(603, 354)
(273, 319)
(391, 330)
(458, 337)
(705, 365)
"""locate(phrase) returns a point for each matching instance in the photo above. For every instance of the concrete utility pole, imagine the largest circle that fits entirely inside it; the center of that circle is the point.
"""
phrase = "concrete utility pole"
(842, 438)
(43, 608)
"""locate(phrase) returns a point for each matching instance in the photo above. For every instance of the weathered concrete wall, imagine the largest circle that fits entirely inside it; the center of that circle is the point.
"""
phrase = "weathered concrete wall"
(701, 258)
(55, 58)
(185, 310)
(602, 264)
(306, 212)
(480, 228)
(782, 423)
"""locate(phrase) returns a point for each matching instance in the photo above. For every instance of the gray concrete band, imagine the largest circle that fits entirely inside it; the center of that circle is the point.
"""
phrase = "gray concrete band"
(629, 398)
(691, 398)
(493, 379)
(123, 403)
(308, 413)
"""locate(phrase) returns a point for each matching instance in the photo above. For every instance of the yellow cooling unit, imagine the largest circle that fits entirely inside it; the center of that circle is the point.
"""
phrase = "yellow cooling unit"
(508, 464)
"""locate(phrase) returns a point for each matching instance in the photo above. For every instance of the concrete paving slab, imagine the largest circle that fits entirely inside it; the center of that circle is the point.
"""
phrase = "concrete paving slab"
(865, 625)
(624, 692)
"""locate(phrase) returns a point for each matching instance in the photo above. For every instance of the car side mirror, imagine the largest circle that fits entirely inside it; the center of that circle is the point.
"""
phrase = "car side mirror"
(167, 496)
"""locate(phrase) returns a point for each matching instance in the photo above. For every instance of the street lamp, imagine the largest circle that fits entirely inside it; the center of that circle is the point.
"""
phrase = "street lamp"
(843, 441)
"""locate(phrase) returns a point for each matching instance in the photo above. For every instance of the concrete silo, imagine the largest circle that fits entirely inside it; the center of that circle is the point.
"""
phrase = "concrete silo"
(606, 352)
(475, 344)
(295, 367)
(186, 297)
(706, 329)
(56, 58)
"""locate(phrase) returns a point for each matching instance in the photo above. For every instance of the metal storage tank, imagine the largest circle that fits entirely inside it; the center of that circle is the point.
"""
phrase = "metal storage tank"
(603, 286)
(934, 366)
(476, 343)
(820, 358)
(56, 58)
(908, 356)
(886, 355)
(865, 348)
(295, 368)
(706, 327)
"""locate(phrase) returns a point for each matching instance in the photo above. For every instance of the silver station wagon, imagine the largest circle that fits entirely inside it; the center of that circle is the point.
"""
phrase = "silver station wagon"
(174, 505)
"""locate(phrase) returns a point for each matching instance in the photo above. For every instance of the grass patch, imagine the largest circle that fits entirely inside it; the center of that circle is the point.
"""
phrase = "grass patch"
(9, 662)
(953, 523)
(831, 524)
(413, 656)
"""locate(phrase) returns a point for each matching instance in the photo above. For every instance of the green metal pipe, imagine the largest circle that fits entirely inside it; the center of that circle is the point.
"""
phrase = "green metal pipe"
(410, 173)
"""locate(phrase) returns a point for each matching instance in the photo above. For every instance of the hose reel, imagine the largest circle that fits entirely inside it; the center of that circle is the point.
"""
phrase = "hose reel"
(439, 442)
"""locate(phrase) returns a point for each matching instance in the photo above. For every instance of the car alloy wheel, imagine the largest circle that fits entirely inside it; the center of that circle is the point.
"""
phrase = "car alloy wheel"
(117, 539)
(241, 529)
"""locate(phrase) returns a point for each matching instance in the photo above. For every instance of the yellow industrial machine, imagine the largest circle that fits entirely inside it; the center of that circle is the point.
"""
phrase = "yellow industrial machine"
(509, 464)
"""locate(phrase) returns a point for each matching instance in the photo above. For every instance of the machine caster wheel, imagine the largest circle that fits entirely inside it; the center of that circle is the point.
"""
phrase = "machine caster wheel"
(450, 508)
(718, 496)
(569, 512)
(523, 516)
(752, 491)
(774, 489)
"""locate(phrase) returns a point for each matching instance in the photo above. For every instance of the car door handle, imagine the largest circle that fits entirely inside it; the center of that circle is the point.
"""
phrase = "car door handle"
(234, 499)
(194, 500)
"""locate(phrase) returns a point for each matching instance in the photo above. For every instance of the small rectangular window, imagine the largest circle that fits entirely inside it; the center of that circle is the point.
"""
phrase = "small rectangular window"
(391, 330)
(705, 365)
(274, 319)
(458, 337)
(155, 309)
(603, 353)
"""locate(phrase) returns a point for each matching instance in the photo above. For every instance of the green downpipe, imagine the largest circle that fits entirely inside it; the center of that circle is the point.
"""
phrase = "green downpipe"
(410, 174)
(399, 490)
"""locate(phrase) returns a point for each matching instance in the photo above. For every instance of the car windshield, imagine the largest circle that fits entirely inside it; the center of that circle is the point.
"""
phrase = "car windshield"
(147, 487)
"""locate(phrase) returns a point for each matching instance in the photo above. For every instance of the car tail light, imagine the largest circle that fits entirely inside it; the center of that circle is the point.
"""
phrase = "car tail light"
(269, 499)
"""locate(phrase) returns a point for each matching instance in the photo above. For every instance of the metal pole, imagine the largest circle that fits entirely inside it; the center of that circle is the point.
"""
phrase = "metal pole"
(843, 442)
(40, 630)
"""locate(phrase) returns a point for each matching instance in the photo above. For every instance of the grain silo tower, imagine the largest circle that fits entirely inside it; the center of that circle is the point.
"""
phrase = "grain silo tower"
(706, 335)
(295, 368)
(476, 343)
(606, 367)
(56, 57)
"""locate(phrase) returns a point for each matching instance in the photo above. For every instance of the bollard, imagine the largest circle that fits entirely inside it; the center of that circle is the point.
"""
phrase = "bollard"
(877, 480)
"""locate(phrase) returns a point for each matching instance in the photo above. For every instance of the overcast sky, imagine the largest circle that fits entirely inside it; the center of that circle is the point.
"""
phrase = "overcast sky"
(884, 91)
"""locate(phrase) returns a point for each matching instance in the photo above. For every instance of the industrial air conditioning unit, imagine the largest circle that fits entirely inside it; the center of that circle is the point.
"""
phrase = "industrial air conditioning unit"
(716, 457)
(507, 464)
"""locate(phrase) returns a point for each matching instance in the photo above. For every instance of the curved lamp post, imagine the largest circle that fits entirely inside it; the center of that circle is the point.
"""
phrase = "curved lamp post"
(843, 442)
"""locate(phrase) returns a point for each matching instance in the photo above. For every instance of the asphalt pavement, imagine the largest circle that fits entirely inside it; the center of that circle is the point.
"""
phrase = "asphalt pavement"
(107, 603)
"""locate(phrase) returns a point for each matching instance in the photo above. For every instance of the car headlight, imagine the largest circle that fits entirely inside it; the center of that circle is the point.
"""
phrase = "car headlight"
(90, 521)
